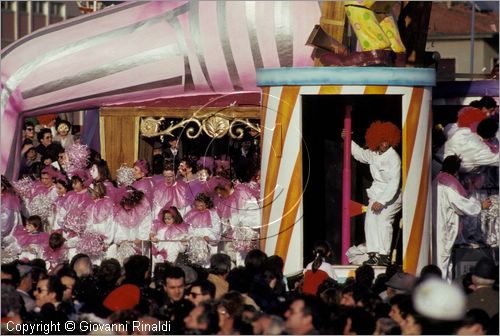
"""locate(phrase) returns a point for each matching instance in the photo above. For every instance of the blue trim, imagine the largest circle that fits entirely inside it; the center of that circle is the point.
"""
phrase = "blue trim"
(346, 76)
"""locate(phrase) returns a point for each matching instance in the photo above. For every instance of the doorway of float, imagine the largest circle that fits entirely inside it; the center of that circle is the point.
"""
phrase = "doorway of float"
(322, 123)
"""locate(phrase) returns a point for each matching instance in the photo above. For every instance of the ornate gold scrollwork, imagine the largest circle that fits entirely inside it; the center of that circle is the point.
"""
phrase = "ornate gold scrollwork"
(215, 125)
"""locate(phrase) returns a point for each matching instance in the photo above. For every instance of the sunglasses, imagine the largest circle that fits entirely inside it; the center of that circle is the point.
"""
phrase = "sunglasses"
(30, 129)
(40, 290)
(195, 295)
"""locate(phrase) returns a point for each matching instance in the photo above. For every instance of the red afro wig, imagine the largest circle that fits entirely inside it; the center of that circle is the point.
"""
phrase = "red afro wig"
(380, 131)
(470, 117)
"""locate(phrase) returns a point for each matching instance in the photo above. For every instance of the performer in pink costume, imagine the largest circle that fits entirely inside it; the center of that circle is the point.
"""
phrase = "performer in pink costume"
(100, 211)
(132, 217)
(143, 182)
(31, 239)
(238, 208)
(63, 186)
(46, 185)
(204, 222)
(10, 209)
(187, 173)
(451, 201)
(76, 204)
(170, 192)
(100, 173)
(168, 226)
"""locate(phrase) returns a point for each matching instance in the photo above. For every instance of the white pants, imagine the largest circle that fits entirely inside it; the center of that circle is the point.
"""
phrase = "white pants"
(378, 228)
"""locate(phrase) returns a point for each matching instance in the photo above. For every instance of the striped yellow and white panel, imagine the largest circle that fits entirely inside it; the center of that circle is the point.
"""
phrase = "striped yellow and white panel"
(282, 151)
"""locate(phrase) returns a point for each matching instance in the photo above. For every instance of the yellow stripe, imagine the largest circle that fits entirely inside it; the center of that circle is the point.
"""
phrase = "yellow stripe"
(376, 90)
(410, 129)
(330, 90)
(412, 254)
(292, 204)
(287, 103)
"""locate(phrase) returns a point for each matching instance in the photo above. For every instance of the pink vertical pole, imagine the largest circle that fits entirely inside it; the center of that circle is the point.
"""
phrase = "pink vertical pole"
(346, 186)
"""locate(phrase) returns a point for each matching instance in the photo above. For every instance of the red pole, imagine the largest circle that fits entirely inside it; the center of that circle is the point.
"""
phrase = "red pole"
(346, 186)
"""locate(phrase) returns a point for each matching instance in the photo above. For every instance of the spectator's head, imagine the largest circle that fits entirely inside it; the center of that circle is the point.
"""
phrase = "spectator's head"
(304, 315)
(49, 290)
(68, 282)
(255, 261)
(359, 322)
(387, 326)
(174, 284)
(269, 325)
(63, 127)
(11, 305)
(430, 271)
(451, 164)
(201, 290)
(400, 283)
(440, 305)
(136, 270)
(229, 309)
(485, 273)
(476, 322)
(488, 105)
(400, 306)
(82, 265)
(203, 318)
(239, 279)
(364, 276)
(10, 274)
(220, 264)
(26, 281)
(45, 137)
(321, 250)
(347, 297)
(34, 224)
(109, 272)
(29, 130)
(487, 128)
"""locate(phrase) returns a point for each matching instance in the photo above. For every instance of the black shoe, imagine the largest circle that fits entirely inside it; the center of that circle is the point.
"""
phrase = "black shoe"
(373, 260)
(384, 260)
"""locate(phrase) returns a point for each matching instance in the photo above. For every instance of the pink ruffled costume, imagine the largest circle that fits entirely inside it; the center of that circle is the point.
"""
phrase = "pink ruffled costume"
(32, 244)
(166, 196)
(239, 209)
(10, 213)
(168, 250)
(101, 218)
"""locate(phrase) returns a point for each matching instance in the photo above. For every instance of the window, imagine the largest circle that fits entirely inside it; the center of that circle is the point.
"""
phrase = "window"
(56, 9)
(22, 6)
(37, 7)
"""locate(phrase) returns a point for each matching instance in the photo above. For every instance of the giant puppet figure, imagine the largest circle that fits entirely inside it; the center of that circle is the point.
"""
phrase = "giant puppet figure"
(377, 34)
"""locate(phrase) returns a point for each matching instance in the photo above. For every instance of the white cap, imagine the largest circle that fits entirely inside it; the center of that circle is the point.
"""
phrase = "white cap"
(436, 299)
